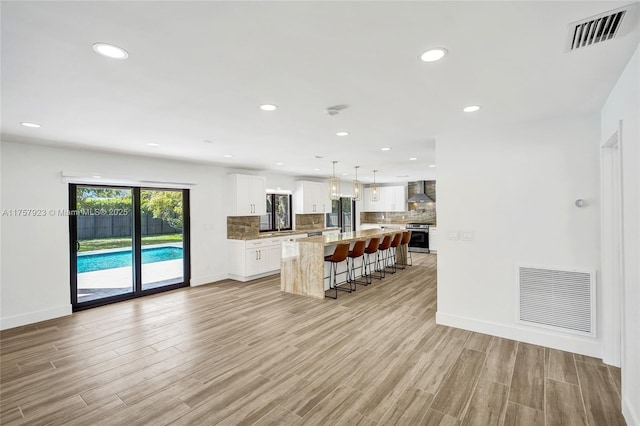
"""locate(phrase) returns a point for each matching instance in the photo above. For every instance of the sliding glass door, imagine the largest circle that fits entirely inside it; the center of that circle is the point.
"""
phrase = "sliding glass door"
(162, 224)
(126, 242)
(103, 242)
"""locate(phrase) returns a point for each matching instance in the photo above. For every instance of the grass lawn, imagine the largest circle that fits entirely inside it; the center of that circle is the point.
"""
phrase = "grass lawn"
(109, 243)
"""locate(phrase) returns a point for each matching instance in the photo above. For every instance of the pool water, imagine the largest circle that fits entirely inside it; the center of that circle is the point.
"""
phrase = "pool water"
(119, 259)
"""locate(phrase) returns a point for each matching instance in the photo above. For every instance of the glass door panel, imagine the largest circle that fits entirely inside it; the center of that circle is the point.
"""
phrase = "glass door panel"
(103, 243)
(341, 215)
(333, 218)
(346, 212)
(161, 220)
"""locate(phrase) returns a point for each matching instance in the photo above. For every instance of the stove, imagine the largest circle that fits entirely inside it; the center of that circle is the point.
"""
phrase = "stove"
(419, 242)
(416, 225)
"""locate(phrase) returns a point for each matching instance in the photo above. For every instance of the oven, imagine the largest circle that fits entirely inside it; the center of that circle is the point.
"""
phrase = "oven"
(419, 241)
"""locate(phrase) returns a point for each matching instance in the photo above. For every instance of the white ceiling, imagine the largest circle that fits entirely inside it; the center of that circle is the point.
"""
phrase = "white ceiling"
(199, 70)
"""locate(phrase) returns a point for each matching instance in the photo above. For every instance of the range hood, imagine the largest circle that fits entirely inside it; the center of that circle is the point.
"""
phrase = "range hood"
(420, 196)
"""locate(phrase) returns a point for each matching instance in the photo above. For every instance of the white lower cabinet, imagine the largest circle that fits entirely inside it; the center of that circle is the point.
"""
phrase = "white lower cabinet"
(433, 239)
(254, 264)
(251, 259)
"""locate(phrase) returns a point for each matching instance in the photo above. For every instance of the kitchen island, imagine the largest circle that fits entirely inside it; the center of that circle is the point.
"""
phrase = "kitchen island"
(303, 268)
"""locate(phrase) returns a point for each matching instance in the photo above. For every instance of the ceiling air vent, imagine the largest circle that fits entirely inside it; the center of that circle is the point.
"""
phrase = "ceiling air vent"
(596, 29)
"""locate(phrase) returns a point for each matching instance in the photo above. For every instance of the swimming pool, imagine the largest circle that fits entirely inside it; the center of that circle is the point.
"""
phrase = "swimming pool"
(119, 259)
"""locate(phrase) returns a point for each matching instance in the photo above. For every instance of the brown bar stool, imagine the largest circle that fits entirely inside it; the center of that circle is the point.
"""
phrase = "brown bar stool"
(357, 252)
(339, 255)
(393, 250)
(372, 249)
(383, 252)
(404, 254)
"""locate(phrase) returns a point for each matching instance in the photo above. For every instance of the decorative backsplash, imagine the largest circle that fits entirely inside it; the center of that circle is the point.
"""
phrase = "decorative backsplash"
(247, 227)
(309, 222)
(241, 227)
(426, 211)
(423, 216)
(416, 212)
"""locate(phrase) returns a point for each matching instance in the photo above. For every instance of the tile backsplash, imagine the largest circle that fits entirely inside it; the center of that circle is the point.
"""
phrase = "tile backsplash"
(423, 216)
(247, 227)
(241, 227)
(309, 222)
(416, 212)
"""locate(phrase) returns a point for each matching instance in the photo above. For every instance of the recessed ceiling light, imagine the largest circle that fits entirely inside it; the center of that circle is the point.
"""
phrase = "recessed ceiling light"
(432, 165)
(386, 148)
(110, 51)
(471, 108)
(316, 170)
(342, 134)
(268, 107)
(153, 144)
(227, 156)
(345, 174)
(27, 124)
(413, 159)
(433, 55)
(96, 176)
(279, 164)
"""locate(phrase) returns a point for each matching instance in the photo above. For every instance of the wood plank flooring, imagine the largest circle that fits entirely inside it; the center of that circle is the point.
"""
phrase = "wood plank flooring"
(235, 353)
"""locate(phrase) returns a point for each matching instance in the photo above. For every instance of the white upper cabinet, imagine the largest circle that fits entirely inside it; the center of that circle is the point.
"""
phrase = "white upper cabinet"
(372, 206)
(312, 197)
(395, 199)
(246, 195)
(390, 199)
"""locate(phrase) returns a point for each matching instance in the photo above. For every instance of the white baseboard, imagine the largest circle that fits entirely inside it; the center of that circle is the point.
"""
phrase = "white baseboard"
(550, 339)
(252, 277)
(33, 317)
(194, 282)
(630, 416)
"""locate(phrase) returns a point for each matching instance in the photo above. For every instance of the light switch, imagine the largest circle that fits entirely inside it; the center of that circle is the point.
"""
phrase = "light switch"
(467, 235)
(453, 235)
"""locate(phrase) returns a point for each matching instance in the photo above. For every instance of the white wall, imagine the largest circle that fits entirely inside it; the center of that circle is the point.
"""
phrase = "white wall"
(514, 187)
(35, 261)
(623, 104)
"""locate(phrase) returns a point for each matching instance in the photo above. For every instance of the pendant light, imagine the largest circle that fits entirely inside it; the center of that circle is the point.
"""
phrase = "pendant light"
(334, 185)
(357, 187)
(374, 188)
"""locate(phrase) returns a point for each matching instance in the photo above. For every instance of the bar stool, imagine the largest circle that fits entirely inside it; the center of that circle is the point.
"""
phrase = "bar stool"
(339, 255)
(383, 252)
(357, 252)
(405, 253)
(372, 249)
(393, 251)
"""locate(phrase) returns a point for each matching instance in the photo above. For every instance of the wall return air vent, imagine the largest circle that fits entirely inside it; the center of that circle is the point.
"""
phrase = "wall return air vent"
(595, 29)
(560, 299)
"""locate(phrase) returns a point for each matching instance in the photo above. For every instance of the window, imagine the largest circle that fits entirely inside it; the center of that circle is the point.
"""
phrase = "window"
(278, 215)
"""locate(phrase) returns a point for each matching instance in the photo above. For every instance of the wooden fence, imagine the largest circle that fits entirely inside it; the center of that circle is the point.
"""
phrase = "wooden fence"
(97, 226)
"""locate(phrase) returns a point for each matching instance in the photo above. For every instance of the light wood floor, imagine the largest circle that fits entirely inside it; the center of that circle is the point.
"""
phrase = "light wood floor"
(244, 353)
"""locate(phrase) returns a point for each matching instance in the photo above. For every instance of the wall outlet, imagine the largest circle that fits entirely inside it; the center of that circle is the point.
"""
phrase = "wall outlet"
(467, 235)
(453, 235)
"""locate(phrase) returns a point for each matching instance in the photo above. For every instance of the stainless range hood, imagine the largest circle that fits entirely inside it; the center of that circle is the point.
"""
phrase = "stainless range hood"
(421, 196)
